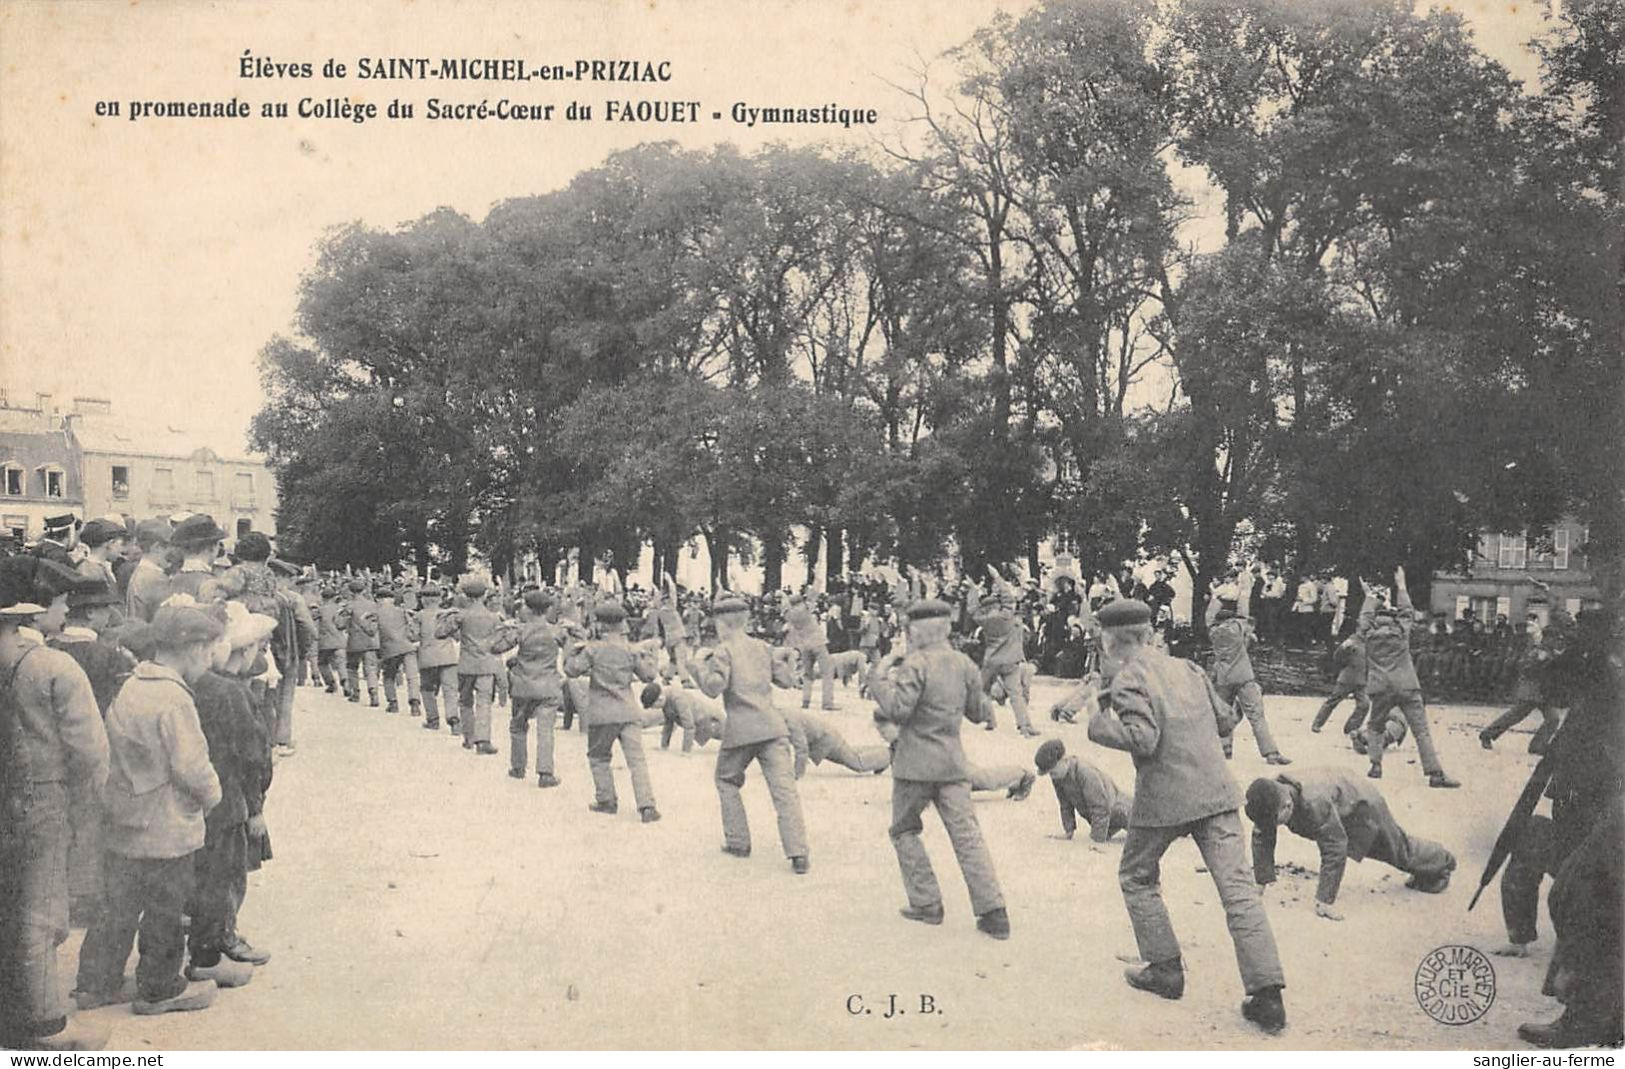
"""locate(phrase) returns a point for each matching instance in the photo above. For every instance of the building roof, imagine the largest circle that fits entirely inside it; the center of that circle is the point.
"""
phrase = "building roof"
(104, 434)
(36, 449)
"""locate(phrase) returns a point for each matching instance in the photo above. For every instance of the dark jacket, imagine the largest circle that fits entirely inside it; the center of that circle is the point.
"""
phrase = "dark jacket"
(235, 735)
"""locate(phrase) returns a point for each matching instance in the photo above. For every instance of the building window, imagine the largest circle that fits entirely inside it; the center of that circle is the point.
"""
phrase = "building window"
(17, 527)
(53, 483)
(1560, 548)
(244, 525)
(14, 481)
(1514, 551)
(245, 488)
(205, 486)
(163, 484)
(121, 482)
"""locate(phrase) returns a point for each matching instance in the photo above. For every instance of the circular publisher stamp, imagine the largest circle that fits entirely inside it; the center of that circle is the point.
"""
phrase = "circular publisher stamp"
(1455, 984)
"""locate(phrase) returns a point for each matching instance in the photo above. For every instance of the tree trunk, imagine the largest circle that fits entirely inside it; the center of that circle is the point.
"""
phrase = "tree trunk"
(809, 552)
(1033, 566)
(833, 541)
(584, 565)
(772, 562)
(854, 555)
(420, 550)
(716, 543)
(657, 558)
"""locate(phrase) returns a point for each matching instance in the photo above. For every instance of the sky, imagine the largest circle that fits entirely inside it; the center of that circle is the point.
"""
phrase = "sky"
(149, 261)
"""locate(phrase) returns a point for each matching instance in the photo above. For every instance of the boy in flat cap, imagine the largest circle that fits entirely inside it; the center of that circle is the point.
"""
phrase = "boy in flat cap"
(806, 635)
(1083, 790)
(923, 698)
(1003, 654)
(742, 671)
(536, 685)
(1348, 820)
(52, 747)
(397, 650)
(161, 786)
(1392, 682)
(148, 584)
(104, 543)
(437, 660)
(1166, 713)
(699, 720)
(482, 638)
(236, 736)
(610, 663)
(1231, 632)
(359, 621)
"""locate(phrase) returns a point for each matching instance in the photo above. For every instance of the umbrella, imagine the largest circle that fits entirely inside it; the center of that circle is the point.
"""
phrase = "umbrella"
(1521, 809)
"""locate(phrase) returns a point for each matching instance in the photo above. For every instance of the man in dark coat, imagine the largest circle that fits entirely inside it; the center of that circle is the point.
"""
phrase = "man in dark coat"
(1348, 820)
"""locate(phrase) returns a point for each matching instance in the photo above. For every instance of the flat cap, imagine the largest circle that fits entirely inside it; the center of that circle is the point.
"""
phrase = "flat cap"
(357, 583)
(929, 609)
(1124, 612)
(99, 532)
(473, 586)
(610, 612)
(649, 695)
(729, 605)
(1049, 754)
(183, 625)
(538, 600)
(1263, 801)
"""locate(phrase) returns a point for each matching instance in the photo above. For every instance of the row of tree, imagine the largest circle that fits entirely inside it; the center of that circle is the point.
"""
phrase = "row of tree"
(1397, 325)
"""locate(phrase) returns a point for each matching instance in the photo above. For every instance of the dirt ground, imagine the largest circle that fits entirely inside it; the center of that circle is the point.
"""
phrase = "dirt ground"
(420, 898)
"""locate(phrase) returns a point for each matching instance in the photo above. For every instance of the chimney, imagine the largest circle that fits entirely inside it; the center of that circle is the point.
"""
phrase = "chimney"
(92, 406)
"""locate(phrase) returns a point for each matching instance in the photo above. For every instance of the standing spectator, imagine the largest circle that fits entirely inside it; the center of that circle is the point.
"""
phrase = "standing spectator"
(52, 747)
(148, 584)
(161, 786)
